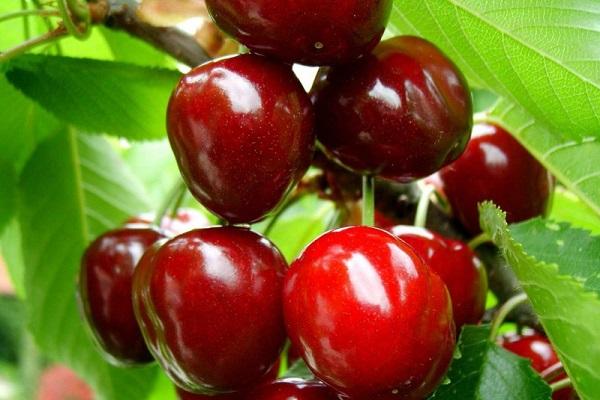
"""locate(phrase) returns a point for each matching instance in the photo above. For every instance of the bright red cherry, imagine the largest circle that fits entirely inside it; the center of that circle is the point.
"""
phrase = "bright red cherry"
(183, 395)
(457, 265)
(496, 167)
(539, 350)
(105, 286)
(212, 298)
(402, 113)
(368, 315)
(312, 32)
(296, 389)
(185, 220)
(241, 129)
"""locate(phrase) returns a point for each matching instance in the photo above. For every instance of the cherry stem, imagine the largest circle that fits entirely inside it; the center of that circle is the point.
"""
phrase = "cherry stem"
(172, 197)
(283, 360)
(293, 199)
(562, 384)
(552, 372)
(26, 13)
(503, 312)
(48, 37)
(368, 200)
(423, 206)
(479, 240)
(68, 10)
(177, 203)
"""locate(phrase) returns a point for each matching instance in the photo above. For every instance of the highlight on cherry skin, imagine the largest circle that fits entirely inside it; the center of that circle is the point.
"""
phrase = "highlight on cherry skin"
(105, 284)
(241, 129)
(538, 349)
(402, 112)
(457, 265)
(496, 167)
(184, 220)
(231, 277)
(362, 295)
(301, 31)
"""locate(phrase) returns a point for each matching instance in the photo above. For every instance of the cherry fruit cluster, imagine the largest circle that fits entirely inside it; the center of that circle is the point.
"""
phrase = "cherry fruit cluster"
(374, 313)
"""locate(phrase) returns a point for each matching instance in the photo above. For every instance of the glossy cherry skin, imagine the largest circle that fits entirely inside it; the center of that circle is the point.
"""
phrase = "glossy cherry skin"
(183, 395)
(241, 129)
(498, 168)
(212, 298)
(296, 389)
(368, 316)
(457, 265)
(105, 286)
(312, 32)
(539, 350)
(185, 220)
(402, 113)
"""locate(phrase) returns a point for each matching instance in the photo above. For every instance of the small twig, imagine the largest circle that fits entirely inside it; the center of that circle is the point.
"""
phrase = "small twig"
(51, 36)
(562, 384)
(503, 313)
(27, 13)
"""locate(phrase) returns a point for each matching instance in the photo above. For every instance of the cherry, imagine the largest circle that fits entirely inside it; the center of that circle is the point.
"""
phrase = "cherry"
(496, 167)
(241, 129)
(539, 350)
(368, 315)
(309, 32)
(105, 286)
(212, 298)
(457, 265)
(296, 389)
(403, 112)
(183, 395)
(185, 220)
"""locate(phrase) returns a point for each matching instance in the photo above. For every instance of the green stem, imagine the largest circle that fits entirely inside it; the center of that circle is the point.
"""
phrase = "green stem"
(48, 37)
(423, 207)
(479, 240)
(174, 194)
(503, 312)
(368, 200)
(562, 384)
(26, 28)
(177, 203)
(29, 365)
(26, 14)
(293, 199)
(283, 360)
(67, 13)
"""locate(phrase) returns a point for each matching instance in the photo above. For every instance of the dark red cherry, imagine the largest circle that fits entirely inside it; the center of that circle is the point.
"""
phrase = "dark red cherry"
(213, 299)
(496, 167)
(368, 315)
(105, 286)
(457, 265)
(296, 389)
(185, 220)
(312, 32)
(241, 129)
(402, 113)
(183, 395)
(539, 350)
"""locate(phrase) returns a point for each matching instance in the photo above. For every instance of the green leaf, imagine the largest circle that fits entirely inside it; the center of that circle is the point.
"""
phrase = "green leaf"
(12, 322)
(24, 125)
(74, 188)
(118, 99)
(126, 48)
(567, 207)
(543, 57)
(9, 194)
(562, 285)
(483, 370)
(11, 249)
(299, 370)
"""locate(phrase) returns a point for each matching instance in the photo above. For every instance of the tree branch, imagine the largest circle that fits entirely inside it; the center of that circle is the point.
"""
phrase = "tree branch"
(122, 15)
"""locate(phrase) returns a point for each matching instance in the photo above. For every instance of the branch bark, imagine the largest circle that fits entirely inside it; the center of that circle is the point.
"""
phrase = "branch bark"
(122, 15)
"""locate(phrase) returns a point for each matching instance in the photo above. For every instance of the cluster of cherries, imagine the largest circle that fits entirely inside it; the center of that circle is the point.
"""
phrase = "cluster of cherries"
(373, 312)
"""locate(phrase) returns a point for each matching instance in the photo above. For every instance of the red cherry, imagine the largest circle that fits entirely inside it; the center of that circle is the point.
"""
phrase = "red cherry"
(241, 129)
(59, 383)
(296, 389)
(539, 350)
(368, 315)
(213, 299)
(105, 286)
(403, 112)
(312, 32)
(457, 265)
(496, 167)
(185, 220)
(183, 395)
